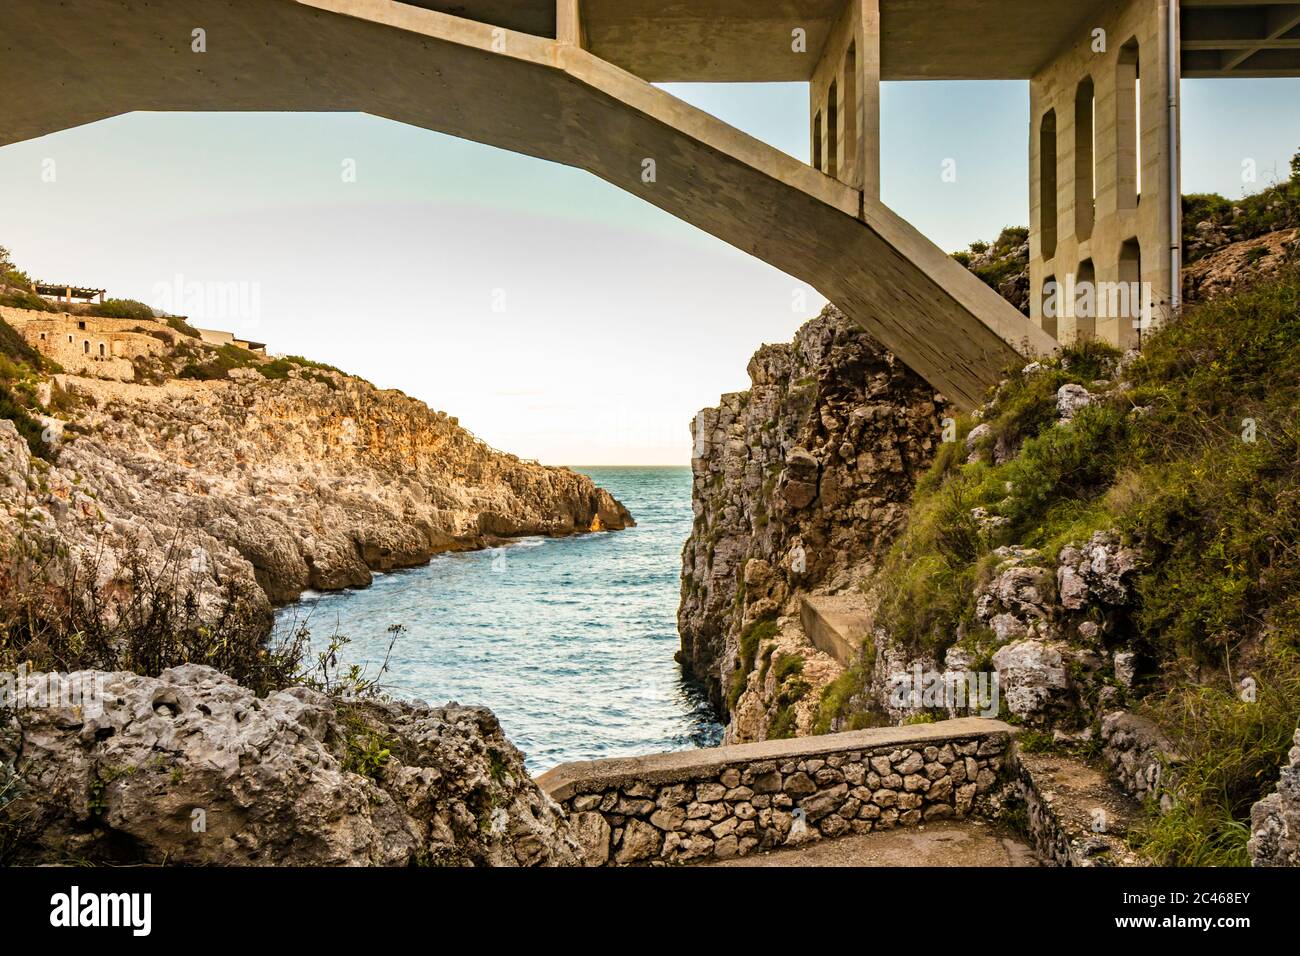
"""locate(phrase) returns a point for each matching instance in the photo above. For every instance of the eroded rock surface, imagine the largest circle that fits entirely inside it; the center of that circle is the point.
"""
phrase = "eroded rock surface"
(295, 483)
(800, 485)
(191, 768)
(1275, 820)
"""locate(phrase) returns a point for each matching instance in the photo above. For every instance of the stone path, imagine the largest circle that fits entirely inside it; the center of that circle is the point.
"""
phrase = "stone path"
(1077, 810)
(968, 843)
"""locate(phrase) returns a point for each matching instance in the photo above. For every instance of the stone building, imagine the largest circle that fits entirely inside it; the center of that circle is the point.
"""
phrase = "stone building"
(89, 345)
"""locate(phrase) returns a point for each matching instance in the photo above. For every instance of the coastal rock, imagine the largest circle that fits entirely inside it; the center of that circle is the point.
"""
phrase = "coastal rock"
(1142, 759)
(800, 484)
(1017, 602)
(1100, 572)
(1070, 399)
(1229, 265)
(192, 768)
(311, 480)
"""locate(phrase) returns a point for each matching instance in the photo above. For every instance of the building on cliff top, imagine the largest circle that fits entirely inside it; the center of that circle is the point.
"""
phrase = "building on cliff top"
(90, 345)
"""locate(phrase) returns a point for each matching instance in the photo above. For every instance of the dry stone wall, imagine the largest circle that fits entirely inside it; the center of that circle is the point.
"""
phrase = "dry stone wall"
(734, 801)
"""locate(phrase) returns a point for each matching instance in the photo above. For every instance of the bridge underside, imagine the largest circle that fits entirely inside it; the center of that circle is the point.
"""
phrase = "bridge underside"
(83, 60)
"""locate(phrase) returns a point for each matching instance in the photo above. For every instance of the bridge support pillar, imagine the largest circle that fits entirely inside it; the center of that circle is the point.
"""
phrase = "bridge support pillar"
(568, 23)
(845, 92)
(1105, 199)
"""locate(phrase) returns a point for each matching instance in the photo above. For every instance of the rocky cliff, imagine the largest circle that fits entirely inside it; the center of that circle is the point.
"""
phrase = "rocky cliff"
(800, 484)
(1102, 543)
(147, 526)
(301, 478)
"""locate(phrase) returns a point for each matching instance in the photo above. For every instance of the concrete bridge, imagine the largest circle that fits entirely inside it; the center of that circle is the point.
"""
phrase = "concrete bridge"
(570, 81)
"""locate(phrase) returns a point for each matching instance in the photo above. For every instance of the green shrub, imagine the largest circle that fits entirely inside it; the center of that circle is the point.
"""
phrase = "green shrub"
(28, 427)
(219, 362)
(24, 299)
(152, 621)
(750, 638)
(841, 694)
(121, 309)
(278, 369)
(178, 324)
(787, 666)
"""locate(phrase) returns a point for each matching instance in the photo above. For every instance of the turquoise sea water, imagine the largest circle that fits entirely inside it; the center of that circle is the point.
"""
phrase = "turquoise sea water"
(569, 641)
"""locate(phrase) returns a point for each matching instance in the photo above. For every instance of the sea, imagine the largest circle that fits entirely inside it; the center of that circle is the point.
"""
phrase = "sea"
(569, 641)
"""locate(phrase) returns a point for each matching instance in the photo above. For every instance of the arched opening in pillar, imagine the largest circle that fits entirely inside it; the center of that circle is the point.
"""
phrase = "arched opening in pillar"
(1128, 128)
(833, 130)
(1085, 167)
(1047, 183)
(851, 107)
(1130, 318)
(817, 142)
(1049, 299)
(1086, 302)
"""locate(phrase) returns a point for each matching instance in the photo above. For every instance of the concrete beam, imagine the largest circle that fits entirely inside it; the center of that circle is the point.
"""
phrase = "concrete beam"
(1224, 39)
(837, 625)
(741, 40)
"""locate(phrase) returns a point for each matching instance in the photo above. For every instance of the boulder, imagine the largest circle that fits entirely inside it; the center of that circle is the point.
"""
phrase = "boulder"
(1100, 572)
(1032, 678)
(190, 767)
(1275, 820)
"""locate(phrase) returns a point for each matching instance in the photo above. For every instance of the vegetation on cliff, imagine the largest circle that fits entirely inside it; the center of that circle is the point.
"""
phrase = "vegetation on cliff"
(1192, 451)
(1003, 264)
(1211, 221)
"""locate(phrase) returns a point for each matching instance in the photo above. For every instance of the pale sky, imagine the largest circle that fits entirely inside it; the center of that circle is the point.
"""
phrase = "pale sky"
(558, 317)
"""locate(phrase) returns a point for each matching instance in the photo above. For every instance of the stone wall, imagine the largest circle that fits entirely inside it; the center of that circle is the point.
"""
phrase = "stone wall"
(732, 801)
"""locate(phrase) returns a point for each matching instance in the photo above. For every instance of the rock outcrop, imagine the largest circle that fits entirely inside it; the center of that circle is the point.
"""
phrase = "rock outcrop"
(191, 768)
(1233, 265)
(1275, 820)
(311, 480)
(799, 486)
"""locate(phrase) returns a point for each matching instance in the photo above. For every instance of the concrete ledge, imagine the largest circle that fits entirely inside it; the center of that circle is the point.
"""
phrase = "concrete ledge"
(836, 624)
(591, 776)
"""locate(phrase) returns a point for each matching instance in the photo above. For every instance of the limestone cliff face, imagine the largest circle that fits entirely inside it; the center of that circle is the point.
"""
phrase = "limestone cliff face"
(314, 480)
(799, 486)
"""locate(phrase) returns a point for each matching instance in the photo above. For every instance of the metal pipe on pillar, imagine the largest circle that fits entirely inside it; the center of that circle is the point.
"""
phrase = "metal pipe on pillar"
(1175, 161)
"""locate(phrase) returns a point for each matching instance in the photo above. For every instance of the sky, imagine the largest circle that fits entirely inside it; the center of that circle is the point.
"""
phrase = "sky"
(558, 317)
